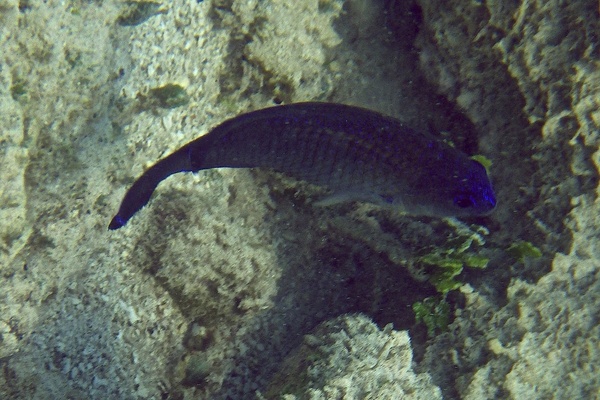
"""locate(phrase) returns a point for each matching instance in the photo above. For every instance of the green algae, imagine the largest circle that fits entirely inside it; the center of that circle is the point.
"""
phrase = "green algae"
(18, 89)
(483, 160)
(522, 250)
(434, 313)
(167, 96)
(449, 262)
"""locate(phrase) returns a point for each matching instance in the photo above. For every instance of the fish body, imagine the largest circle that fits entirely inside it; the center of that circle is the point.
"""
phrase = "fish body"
(357, 153)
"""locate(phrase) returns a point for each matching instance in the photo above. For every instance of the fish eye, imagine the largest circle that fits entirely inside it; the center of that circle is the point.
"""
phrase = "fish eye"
(464, 200)
(389, 199)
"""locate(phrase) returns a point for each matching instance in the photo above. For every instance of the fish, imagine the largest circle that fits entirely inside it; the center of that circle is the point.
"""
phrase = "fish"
(356, 153)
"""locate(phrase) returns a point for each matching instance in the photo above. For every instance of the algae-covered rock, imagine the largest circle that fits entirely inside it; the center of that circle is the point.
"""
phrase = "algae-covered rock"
(286, 41)
(529, 78)
(294, 49)
(350, 357)
(14, 229)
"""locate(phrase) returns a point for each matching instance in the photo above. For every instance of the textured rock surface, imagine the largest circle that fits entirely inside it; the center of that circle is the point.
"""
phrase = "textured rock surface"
(206, 291)
(349, 357)
(14, 230)
(87, 314)
(544, 342)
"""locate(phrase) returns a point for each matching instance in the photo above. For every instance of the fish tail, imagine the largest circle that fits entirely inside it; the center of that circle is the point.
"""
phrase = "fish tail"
(140, 192)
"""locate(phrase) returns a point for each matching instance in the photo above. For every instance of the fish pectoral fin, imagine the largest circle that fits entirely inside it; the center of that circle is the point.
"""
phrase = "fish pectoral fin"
(346, 197)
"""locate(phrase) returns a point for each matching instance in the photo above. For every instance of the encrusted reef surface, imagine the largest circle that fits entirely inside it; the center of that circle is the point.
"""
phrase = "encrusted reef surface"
(528, 74)
(350, 357)
(231, 284)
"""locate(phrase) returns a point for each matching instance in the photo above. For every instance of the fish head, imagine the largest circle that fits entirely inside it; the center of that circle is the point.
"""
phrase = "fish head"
(460, 188)
(467, 192)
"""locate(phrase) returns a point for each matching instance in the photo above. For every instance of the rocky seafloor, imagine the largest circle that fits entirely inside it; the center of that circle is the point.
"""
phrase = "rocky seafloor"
(231, 284)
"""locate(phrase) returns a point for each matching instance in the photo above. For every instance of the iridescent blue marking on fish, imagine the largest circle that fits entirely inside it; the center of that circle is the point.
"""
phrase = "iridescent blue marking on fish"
(357, 153)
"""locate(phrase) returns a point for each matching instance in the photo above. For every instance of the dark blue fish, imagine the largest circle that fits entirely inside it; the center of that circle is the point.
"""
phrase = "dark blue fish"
(357, 153)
